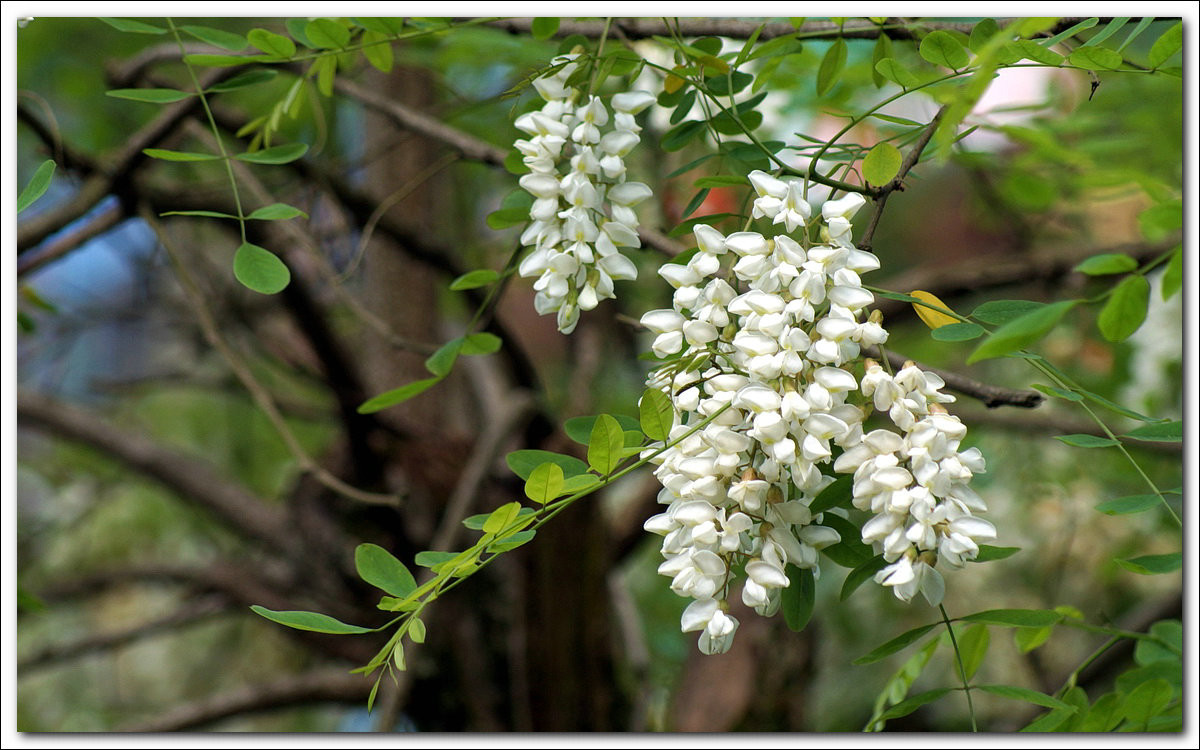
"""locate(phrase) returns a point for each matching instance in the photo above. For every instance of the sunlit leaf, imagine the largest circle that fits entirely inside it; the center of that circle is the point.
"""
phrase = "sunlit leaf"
(381, 569)
(313, 621)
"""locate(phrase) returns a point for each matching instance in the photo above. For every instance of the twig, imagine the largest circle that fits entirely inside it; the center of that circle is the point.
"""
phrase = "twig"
(897, 183)
(189, 613)
(258, 392)
(61, 246)
(991, 395)
(327, 685)
(190, 478)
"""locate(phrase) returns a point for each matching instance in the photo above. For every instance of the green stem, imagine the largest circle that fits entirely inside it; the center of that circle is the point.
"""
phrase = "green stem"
(962, 670)
(599, 53)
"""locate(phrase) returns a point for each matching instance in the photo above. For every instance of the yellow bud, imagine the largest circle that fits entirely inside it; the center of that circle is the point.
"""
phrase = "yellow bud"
(930, 317)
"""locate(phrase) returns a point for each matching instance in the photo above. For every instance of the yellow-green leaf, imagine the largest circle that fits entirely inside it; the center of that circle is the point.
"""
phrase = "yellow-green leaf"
(260, 269)
(929, 316)
(881, 164)
(1125, 310)
(545, 483)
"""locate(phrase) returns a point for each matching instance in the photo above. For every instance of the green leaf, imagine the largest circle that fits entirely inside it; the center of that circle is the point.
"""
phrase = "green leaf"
(656, 414)
(1172, 278)
(378, 567)
(981, 33)
(500, 518)
(150, 96)
(217, 38)
(796, 601)
(972, 647)
(513, 541)
(580, 429)
(837, 494)
(908, 705)
(433, 558)
(397, 395)
(605, 445)
(1096, 58)
(1020, 332)
(1151, 565)
(417, 630)
(1024, 694)
(544, 27)
(276, 212)
(881, 51)
(481, 343)
(168, 155)
(474, 279)
(313, 621)
(1082, 440)
(1103, 716)
(695, 203)
(988, 553)
(1019, 618)
(860, 575)
(1027, 639)
(224, 61)
(545, 483)
(957, 332)
(37, 186)
(881, 164)
(1147, 701)
(1111, 28)
(1126, 309)
(1170, 632)
(682, 134)
(1050, 722)
(242, 80)
(831, 66)
(1050, 390)
(209, 214)
(327, 33)
(441, 362)
(898, 643)
(385, 26)
(271, 43)
(1031, 50)
(523, 462)
(722, 85)
(896, 73)
(941, 48)
(507, 217)
(1166, 46)
(132, 26)
(1068, 33)
(1131, 504)
(377, 48)
(260, 269)
(284, 154)
(1163, 432)
(1000, 311)
(1107, 263)
(1161, 219)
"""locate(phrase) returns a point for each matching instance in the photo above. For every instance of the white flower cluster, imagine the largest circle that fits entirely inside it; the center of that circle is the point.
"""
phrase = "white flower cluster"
(771, 366)
(580, 217)
(916, 484)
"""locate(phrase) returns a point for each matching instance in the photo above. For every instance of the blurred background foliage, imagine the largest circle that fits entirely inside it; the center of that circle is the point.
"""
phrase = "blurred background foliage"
(134, 595)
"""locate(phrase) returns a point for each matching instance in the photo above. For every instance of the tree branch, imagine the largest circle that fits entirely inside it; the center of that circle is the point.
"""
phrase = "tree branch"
(645, 28)
(897, 183)
(991, 395)
(190, 613)
(192, 479)
(330, 685)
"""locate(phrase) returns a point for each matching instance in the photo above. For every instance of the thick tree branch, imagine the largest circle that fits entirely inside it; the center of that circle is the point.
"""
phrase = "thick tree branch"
(991, 395)
(192, 479)
(645, 28)
(191, 612)
(329, 685)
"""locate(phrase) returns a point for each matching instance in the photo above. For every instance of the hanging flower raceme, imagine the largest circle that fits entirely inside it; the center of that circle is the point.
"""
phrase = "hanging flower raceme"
(763, 339)
(582, 213)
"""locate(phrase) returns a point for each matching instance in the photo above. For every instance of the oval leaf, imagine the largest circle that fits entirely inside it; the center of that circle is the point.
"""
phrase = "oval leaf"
(38, 185)
(1107, 263)
(327, 33)
(931, 317)
(1021, 331)
(151, 96)
(168, 155)
(474, 279)
(217, 37)
(896, 644)
(1082, 440)
(972, 647)
(606, 444)
(313, 621)
(523, 462)
(957, 332)
(1096, 58)
(241, 81)
(896, 73)
(1024, 694)
(941, 48)
(831, 66)
(656, 414)
(544, 27)
(382, 570)
(1166, 45)
(132, 26)
(798, 598)
(271, 43)
(1021, 618)
(480, 343)
(545, 483)
(288, 152)
(1151, 565)
(1125, 310)
(1131, 504)
(881, 164)
(988, 553)
(276, 212)
(1163, 432)
(260, 269)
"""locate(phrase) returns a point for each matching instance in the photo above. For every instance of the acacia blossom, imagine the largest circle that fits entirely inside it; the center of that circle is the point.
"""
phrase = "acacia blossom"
(582, 213)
